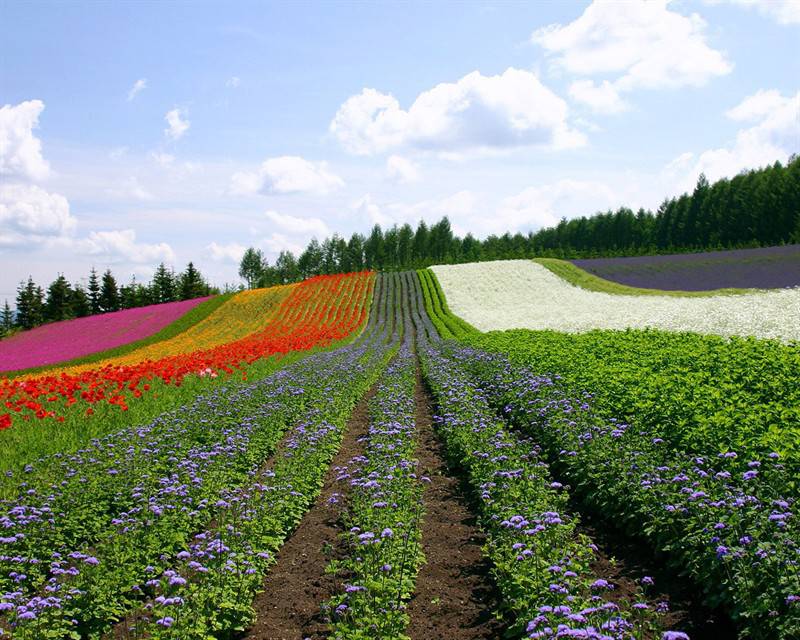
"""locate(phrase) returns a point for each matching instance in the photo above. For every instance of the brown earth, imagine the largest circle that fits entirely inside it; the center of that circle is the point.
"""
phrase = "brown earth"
(455, 595)
(296, 586)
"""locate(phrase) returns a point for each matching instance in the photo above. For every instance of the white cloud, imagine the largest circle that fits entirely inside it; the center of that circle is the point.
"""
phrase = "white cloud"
(774, 135)
(231, 252)
(294, 225)
(277, 242)
(543, 206)
(370, 212)
(476, 113)
(401, 170)
(162, 159)
(641, 42)
(233, 82)
(603, 98)
(457, 207)
(286, 174)
(178, 125)
(29, 211)
(137, 87)
(130, 189)
(121, 246)
(20, 150)
(782, 11)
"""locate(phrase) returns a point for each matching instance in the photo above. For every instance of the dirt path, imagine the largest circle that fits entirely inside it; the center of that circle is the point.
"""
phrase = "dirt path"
(455, 595)
(296, 586)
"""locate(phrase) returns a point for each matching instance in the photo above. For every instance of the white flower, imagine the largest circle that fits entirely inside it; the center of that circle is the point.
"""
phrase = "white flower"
(520, 294)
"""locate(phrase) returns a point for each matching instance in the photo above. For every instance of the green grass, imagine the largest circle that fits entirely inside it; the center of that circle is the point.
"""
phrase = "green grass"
(187, 320)
(446, 322)
(585, 280)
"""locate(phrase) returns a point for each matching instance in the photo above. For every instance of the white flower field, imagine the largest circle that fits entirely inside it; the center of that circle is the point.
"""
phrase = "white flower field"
(520, 294)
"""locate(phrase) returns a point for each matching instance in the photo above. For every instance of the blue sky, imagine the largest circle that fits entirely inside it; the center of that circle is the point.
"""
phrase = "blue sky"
(139, 132)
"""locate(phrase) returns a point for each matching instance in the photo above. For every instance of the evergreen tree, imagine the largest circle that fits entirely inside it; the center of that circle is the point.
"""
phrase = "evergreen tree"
(162, 287)
(355, 252)
(419, 247)
(59, 300)
(94, 292)
(109, 294)
(373, 249)
(30, 305)
(80, 302)
(251, 266)
(191, 284)
(6, 320)
(310, 261)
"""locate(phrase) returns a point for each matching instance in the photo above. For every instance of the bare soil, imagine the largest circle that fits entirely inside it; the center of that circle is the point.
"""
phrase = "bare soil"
(455, 595)
(289, 606)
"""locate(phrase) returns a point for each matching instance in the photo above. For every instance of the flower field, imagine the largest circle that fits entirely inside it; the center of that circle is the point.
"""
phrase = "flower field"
(60, 341)
(520, 294)
(290, 476)
(767, 267)
(47, 411)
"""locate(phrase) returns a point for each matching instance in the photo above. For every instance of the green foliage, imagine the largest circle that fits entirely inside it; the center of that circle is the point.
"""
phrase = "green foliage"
(703, 394)
(447, 324)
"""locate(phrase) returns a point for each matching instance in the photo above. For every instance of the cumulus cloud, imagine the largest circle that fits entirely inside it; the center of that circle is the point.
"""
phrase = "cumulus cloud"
(543, 206)
(178, 124)
(121, 246)
(286, 174)
(28, 212)
(782, 11)
(476, 113)
(603, 98)
(773, 135)
(231, 252)
(401, 170)
(294, 225)
(233, 82)
(137, 87)
(130, 189)
(20, 150)
(642, 43)
(457, 207)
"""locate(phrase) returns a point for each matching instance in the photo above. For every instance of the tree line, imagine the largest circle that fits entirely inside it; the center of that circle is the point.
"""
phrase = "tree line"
(102, 294)
(755, 208)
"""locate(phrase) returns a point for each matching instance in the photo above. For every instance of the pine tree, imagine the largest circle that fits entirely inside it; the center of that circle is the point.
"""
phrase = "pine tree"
(191, 284)
(94, 292)
(6, 320)
(80, 302)
(162, 287)
(30, 305)
(109, 294)
(59, 300)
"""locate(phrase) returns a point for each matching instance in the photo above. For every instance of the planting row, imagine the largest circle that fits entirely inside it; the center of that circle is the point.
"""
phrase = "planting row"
(384, 514)
(52, 413)
(727, 520)
(701, 394)
(113, 528)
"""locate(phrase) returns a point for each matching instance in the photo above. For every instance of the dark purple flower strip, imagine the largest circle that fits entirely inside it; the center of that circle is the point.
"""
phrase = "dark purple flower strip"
(764, 268)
